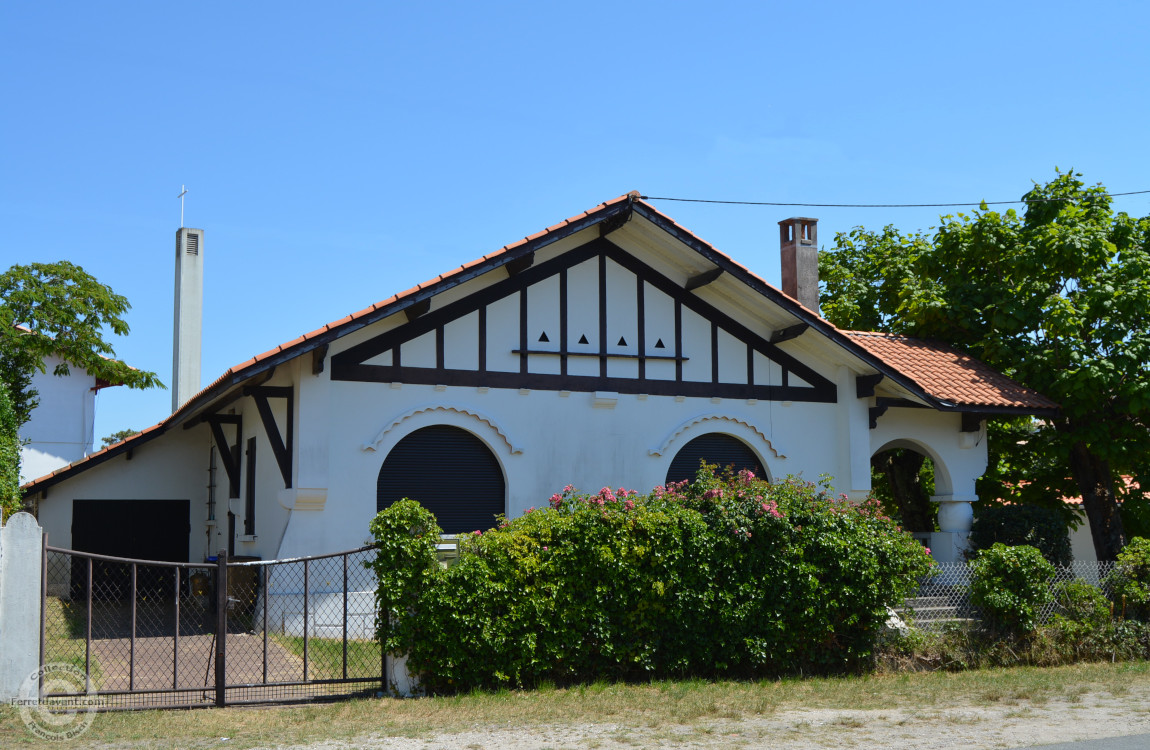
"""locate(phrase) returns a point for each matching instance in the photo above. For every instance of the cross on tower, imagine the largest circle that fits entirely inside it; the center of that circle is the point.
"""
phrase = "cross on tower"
(181, 197)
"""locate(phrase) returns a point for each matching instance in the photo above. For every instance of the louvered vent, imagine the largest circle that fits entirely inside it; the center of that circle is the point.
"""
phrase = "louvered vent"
(193, 244)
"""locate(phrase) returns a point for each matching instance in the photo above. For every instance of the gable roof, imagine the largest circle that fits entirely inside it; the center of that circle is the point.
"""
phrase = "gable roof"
(920, 377)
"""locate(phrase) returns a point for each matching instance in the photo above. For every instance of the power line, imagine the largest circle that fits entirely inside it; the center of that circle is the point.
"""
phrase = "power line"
(876, 205)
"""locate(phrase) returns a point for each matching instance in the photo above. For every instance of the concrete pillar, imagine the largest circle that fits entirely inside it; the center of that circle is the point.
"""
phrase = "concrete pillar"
(21, 554)
(955, 515)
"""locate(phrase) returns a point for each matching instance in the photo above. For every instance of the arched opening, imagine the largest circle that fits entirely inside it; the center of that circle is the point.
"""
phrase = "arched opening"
(903, 480)
(714, 448)
(450, 472)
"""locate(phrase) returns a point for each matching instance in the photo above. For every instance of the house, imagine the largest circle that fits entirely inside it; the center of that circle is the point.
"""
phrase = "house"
(60, 428)
(613, 348)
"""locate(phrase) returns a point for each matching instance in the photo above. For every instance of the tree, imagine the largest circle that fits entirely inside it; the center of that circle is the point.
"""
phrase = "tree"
(118, 436)
(9, 459)
(59, 309)
(1058, 298)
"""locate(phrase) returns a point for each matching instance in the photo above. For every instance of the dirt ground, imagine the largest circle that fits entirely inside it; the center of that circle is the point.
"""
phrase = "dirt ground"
(961, 727)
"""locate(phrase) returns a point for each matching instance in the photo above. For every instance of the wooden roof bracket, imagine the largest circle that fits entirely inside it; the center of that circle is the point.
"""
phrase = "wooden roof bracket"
(788, 333)
(865, 384)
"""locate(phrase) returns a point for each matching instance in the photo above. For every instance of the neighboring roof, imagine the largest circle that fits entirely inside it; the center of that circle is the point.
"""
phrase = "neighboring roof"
(949, 375)
(907, 371)
(1129, 487)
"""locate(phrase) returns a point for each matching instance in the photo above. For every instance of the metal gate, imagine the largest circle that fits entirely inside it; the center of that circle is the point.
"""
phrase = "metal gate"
(154, 634)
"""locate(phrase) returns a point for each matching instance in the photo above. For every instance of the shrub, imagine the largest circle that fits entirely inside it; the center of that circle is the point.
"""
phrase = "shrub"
(1010, 585)
(406, 536)
(727, 575)
(1080, 602)
(1015, 525)
(1130, 581)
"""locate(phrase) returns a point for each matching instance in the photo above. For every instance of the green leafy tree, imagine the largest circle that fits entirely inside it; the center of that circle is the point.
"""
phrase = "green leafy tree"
(117, 436)
(59, 309)
(9, 459)
(1058, 298)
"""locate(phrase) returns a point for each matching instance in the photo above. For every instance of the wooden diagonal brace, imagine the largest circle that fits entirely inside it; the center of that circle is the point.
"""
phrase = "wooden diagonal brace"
(281, 447)
(229, 452)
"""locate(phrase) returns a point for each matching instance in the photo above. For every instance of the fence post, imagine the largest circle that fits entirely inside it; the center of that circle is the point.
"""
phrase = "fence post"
(21, 555)
(221, 627)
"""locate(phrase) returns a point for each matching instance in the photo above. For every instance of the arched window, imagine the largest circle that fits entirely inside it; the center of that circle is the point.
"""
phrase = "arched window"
(714, 448)
(450, 472)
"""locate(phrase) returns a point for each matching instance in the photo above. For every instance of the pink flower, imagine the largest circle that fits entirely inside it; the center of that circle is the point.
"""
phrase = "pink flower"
(717, 492)
(746, 475)
(556, 500)
(606, 495)
(628, 504)
(530, 510)
(569, 488)
(927, 550)
(477, 532)
(544, 549)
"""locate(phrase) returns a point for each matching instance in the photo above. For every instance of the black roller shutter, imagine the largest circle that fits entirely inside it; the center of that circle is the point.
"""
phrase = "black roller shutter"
(714, 448)
(450, 472)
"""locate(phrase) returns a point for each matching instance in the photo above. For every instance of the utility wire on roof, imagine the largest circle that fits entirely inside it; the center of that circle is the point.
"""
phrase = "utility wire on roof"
(875, 205)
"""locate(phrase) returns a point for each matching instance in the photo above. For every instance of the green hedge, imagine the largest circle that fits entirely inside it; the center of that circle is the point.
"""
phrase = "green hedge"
(728, 575)
(1011, 585)
(1015, 525)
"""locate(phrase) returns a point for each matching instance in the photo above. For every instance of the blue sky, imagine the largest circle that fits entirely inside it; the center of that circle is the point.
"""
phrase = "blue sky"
(338, 153)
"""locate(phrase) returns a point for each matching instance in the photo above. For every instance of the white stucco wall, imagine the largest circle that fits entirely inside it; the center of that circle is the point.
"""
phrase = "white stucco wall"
(171, 467)
(60, 428)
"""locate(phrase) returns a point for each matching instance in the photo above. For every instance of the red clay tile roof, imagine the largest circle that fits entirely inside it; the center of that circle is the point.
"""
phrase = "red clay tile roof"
(949, 375)
(926, 373)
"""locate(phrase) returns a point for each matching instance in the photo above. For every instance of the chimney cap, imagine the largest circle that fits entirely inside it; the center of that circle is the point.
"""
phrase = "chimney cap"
(799, 218)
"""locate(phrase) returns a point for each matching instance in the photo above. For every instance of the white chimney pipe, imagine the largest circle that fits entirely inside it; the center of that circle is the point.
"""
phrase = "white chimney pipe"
(189, 309)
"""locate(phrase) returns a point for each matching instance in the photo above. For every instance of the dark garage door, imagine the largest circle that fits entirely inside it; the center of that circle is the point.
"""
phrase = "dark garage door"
(714, 448)
(450, 472)
(139, 529)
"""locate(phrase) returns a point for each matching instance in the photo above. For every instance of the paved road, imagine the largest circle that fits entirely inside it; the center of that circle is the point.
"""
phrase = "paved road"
(1133, 742)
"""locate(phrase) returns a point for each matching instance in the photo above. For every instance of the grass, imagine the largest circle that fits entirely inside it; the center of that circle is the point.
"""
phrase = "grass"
(325, 656)
(690, 703)
(64, 626)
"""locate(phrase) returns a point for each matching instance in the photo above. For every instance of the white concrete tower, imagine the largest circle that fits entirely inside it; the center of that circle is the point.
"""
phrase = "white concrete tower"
(189, 309)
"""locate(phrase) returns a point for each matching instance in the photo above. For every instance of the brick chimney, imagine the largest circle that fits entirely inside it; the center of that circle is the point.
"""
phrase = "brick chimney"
(798, 244)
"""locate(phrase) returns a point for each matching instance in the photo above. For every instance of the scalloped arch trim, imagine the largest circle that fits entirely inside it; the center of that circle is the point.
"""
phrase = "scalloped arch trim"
(674, 434)
(372, 444)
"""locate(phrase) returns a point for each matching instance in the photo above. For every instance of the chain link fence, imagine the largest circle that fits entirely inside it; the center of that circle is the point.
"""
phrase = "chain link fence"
(943, 599)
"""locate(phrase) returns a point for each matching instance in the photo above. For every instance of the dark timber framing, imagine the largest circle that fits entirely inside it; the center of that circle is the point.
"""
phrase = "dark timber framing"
(281, 447)
(229, 451)
(350, 364)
